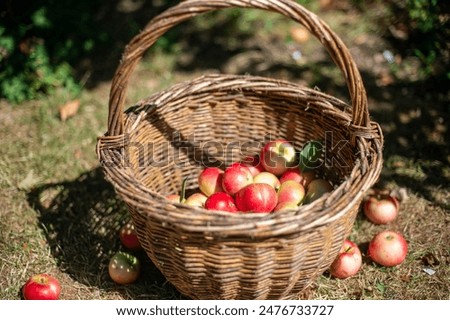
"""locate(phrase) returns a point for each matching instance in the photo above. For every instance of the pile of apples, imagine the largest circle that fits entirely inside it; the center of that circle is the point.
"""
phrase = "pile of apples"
(387, 248)
(276, 179)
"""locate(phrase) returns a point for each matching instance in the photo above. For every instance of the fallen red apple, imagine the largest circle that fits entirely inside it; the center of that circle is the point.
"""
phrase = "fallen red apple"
(348, 261)
(388, 248)
(256, 197)
(124, 268)
(41, 287)
(210, 180)
(381, 209)
(221, 201)
(297, 175)
(235, 178)
(278, 156)
(267, 177)
(128, 237)
(196, 200)
(291, 191)
(252, 163)
(316, 189)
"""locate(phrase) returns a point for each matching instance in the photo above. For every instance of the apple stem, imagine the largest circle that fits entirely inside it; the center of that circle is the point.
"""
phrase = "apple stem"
(183, 190)
(348, 249)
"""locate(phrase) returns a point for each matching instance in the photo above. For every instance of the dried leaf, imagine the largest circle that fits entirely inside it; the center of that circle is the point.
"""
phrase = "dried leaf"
(299, 34)
(28, 181)
(69, 109)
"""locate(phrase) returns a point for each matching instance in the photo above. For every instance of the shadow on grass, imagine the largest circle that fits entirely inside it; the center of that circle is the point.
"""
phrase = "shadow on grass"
(81, 219)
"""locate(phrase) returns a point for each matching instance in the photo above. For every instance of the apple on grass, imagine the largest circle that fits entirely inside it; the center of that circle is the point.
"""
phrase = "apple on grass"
(278, 156)
(41, 287)
(348, 261)
(388, 248)
(124, 268)
(381, 208)
(128, 237)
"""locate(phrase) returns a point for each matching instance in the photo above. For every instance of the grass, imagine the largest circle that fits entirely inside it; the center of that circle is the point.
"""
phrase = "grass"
(59, 215)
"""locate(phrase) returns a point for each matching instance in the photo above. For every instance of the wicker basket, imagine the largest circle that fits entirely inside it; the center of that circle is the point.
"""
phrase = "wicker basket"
(212, 120)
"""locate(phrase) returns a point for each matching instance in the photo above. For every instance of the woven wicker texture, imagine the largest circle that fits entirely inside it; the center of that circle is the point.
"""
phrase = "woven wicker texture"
(215, 120)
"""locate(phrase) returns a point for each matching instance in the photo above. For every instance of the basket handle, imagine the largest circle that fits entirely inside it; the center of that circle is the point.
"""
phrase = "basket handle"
(190, 8)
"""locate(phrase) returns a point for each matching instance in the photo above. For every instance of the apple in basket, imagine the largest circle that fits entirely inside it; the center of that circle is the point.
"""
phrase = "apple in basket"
(302, 177)
(278, 156)
(282, 206)
(252, 163)
(210, 180)
(381, 209)
(256, 197)
(348, 261)
(221, 201)
(197, 199)
(316, 189)
(269, 178)
(235, 178)
(291, 191)
(388, 248)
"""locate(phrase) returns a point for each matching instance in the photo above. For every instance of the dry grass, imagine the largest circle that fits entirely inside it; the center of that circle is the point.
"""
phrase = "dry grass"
(58, 214)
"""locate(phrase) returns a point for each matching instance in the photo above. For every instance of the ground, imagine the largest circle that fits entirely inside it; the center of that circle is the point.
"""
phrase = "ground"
(60, 216)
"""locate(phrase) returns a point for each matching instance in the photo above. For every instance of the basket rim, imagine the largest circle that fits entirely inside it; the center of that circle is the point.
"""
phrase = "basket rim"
(252, 224)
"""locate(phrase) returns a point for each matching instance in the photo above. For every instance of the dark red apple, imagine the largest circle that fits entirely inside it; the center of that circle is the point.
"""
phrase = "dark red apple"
(235, 178)
(41, 287)
(256, 197)
(278, 156)
(291, 191)
(348, 261)
(381, 209)
(210, 181)
(128, 237)
(388, 248)
(221, 201)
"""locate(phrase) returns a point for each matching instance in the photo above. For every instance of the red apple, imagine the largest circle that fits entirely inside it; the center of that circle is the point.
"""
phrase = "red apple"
(210, 181)
(278, 156)
(256, 197)
(124, 268)
(221, 201)
(296, 174)
(348, 261)
(128, 237)
(252, 163)
(282, 206)
(267, 177)
(291, 191)
(235, 178)
(381, 209)
(196, 200)
(41, 287)
(388, 248)
(316, 189)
